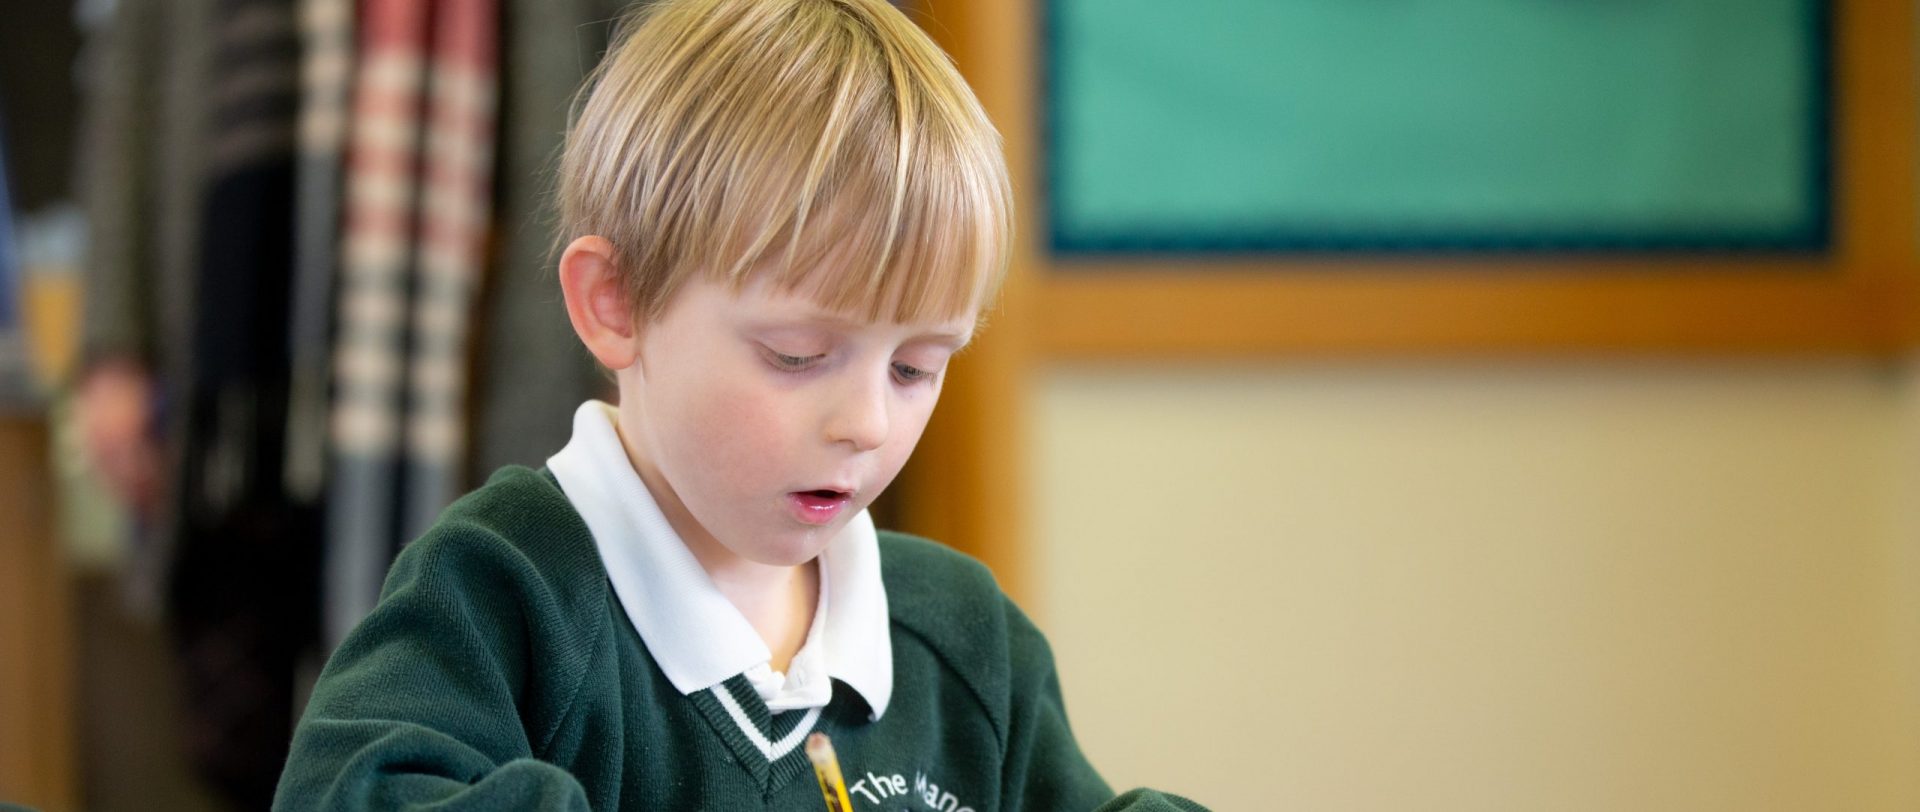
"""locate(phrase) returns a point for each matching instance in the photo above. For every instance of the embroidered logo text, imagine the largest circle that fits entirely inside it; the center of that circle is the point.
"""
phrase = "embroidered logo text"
(876, 788)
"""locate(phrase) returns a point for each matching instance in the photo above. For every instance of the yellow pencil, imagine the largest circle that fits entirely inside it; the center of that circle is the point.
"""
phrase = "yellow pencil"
(826, 767)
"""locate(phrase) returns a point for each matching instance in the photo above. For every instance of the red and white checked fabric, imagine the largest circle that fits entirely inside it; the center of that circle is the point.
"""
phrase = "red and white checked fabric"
(454, 212)
(418, 196)
(377, 245)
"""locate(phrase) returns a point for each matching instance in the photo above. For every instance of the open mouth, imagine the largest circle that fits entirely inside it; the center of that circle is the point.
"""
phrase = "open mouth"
(818, 506)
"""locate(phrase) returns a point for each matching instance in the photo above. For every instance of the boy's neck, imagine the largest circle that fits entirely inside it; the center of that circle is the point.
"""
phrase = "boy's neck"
(778, 601)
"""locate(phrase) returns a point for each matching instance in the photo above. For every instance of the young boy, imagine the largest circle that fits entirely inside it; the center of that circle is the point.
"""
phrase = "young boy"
(785, 217)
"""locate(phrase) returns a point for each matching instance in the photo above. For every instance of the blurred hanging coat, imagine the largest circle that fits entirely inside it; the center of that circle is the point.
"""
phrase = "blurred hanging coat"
(189, 188)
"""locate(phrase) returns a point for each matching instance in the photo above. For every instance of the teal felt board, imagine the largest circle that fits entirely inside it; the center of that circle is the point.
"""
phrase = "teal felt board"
(1285, 125)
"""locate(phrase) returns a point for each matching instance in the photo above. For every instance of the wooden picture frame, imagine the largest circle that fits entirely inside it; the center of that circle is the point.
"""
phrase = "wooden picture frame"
(1858, 297)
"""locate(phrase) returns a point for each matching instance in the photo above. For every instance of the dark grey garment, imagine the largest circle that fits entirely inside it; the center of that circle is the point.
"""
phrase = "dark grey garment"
(326, 91)
(530, 371)
(143, 151)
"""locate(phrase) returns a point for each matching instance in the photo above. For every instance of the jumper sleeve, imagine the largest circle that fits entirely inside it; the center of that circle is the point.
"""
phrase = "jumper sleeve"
(428, 701)
(1044, 768)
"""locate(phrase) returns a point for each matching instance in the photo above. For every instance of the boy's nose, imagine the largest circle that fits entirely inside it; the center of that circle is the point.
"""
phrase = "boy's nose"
(859, 417)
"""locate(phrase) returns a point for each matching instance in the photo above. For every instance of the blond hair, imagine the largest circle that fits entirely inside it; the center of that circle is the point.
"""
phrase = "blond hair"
(828, 143)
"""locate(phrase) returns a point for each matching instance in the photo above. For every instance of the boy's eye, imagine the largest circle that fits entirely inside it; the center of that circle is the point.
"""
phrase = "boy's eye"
(792, 362)
(907, 373)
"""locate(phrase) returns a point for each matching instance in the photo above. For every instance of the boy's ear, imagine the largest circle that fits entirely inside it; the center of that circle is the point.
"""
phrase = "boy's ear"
(597, 302)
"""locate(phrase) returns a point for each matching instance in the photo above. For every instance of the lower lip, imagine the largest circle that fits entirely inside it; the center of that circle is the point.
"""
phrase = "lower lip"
(815, 509)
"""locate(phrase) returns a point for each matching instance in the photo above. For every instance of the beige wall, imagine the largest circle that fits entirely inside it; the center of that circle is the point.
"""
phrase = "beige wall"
(1555, 585)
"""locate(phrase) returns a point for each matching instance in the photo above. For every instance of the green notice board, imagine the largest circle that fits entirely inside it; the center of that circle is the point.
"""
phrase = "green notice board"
(1383, 125)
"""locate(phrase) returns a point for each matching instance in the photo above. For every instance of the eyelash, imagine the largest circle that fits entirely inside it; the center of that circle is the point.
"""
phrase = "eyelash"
(905, 373)
(918, 375)
(791, 363)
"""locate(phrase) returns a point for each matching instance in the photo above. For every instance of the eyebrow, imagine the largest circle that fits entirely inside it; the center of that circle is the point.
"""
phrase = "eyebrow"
(951, 339)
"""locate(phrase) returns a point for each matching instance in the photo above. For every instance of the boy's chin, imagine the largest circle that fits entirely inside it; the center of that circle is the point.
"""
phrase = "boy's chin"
(794, 547)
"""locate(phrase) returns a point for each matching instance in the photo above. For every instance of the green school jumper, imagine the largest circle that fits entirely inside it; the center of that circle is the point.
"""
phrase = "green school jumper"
(499, 671)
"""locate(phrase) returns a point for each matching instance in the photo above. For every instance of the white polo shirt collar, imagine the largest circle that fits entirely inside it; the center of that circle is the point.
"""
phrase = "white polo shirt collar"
(695, 634)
